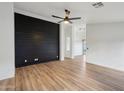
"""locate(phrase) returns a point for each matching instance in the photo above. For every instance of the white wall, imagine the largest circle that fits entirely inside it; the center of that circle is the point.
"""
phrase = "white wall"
(62, 42)
(7, 66)
(106, 45)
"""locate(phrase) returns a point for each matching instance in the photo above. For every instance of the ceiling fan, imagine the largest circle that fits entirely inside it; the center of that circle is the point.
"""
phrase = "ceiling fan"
(66, 19)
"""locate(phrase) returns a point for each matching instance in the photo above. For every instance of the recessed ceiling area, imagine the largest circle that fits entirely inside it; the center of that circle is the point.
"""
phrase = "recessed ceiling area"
(111, 12)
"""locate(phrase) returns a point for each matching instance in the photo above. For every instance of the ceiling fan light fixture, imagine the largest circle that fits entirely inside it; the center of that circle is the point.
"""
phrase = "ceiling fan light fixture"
(66, 22)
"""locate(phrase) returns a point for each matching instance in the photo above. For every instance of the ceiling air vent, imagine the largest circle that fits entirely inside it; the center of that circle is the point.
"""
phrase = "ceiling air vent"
(97, 4)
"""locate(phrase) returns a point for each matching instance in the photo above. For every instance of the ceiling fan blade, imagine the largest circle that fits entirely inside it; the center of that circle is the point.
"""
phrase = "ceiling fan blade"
(76, 18)
(57, 17)
(70, 21)
(60, 21)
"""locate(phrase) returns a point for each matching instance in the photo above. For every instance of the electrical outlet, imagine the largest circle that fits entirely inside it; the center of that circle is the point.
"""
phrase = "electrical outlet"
(36, 59)
(26, 61)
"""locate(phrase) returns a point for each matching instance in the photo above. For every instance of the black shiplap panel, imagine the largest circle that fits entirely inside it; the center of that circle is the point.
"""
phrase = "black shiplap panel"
(35, 38)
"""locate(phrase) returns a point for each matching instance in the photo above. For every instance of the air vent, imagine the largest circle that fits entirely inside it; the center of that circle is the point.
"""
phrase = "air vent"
(97, 4)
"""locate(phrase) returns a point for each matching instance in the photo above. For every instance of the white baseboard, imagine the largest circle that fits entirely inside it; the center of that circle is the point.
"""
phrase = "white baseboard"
(111, 67)
(6, 76)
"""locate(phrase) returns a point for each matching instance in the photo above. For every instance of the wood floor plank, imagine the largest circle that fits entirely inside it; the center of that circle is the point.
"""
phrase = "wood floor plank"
(8, 84)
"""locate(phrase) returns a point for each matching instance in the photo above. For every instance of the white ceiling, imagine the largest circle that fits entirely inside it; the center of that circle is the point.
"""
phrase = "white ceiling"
(111, 12)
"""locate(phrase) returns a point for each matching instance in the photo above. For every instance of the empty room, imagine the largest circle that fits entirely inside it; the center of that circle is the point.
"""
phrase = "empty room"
(61, 46)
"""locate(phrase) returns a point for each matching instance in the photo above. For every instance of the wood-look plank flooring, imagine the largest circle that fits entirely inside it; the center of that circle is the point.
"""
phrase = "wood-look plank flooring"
(68, 75)
(8, 84)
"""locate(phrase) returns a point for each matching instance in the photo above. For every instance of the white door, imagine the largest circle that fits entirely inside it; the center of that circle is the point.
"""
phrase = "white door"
(68, 41)
(79, 40)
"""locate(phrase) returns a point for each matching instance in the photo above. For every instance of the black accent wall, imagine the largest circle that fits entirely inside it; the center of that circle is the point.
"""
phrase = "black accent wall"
(36, 40)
